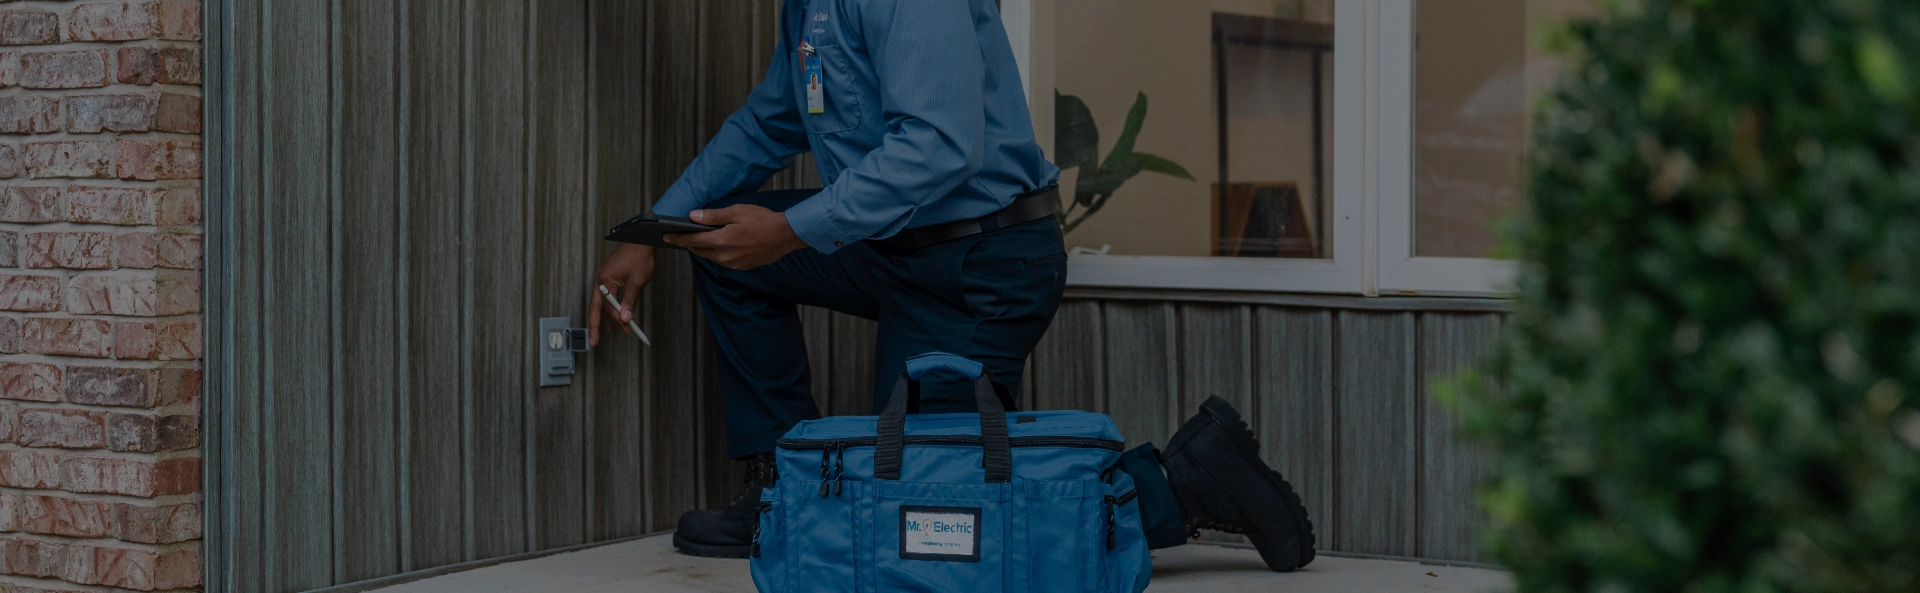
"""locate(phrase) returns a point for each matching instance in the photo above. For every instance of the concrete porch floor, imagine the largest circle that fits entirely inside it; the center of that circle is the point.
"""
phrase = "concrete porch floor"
(651, 565)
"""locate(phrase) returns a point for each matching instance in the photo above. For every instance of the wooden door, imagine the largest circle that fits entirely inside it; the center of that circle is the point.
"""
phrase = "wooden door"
(397, 191)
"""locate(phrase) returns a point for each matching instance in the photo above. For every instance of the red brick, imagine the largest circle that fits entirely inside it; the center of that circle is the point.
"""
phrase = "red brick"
(79, 69)
(177, 570)
(178, 113)
(29, 27)
(29, 469)
(132, 477)
(178, 206)
(30, 381)
(70, 250)
(9, 68)
(157, 524)
(177, 385)
(9, 418)
(67, 337)
(107, 386)
(180, 65)
(111, 113)
(138, 65)
(170, 65)
(176, 433)
(10, 162)
(9, 250)
(55, 515)
(113, 567)
(114, 21)
(180, 251)
(156, 340)
(134, 433)
(176, 293)
(180, 20)
(138, 251)
(148, 160)
(70, 159)
(21, 292)
(9, 514)
(30, 204)
(64, 429)
(112, 295)
(32, 558)
(9, 337)
(110, 205)
(29, 114)
(176, 476)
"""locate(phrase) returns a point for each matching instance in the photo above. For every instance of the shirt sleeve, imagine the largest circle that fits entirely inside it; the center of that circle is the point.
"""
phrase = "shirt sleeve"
(755, 142)
(928, 60)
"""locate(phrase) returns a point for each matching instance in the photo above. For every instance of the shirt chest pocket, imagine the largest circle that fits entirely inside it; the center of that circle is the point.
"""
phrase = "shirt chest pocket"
(839, 89)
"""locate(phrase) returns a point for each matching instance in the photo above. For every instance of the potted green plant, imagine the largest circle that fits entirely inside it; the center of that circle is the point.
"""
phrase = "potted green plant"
(1076, 144)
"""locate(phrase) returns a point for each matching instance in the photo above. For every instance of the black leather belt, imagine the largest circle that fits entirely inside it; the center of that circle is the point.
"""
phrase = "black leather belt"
(1027, 207)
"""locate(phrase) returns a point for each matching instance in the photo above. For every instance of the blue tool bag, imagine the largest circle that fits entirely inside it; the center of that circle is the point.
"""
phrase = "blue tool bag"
(988, 502)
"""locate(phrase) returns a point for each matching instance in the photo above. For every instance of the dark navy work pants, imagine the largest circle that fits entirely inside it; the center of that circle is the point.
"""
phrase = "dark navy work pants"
(987, 297)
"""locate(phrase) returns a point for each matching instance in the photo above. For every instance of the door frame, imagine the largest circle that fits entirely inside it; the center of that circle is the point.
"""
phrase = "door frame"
(217, 293)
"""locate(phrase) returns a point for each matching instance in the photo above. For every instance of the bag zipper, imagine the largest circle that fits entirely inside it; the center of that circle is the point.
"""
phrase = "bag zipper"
(830, 473)
(764, 508)
(961, 440)
(839, 467)
(1117, 501)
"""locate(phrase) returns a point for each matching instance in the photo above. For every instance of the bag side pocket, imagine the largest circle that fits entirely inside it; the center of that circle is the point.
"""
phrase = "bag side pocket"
(769, 551)
(822, 549)
(1062, 519)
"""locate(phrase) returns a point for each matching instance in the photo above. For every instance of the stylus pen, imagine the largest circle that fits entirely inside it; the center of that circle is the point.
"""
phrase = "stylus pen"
(630, 324)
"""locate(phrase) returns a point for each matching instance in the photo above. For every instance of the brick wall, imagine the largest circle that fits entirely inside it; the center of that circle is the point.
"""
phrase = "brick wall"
(100, 252)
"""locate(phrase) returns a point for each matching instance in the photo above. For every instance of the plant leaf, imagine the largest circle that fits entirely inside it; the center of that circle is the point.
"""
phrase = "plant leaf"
(1123, 148)
(1076, 139)
(1155, 164)
(1103, 181)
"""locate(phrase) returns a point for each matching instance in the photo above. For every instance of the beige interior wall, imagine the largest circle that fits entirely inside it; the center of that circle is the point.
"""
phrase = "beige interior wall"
(1479, 68)
(1106, 51)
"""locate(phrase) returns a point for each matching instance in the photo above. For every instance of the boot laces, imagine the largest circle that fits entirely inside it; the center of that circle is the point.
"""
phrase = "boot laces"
(761, 473)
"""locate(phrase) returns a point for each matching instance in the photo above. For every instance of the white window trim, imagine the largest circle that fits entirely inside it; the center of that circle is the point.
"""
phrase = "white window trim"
(1373, 175)
(1401, 271)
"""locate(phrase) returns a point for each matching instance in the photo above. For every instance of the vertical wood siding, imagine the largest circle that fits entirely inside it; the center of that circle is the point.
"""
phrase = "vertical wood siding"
(412, 183)
(1340, 399)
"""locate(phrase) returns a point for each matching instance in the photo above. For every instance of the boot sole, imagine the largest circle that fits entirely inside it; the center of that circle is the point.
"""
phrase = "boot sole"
(693, 548)
(1281, 550)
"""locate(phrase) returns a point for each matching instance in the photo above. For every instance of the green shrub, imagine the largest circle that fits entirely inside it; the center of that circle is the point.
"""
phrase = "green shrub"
(1710, 381)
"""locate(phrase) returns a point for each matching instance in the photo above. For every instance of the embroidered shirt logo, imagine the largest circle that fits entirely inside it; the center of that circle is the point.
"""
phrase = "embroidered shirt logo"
(940, 533)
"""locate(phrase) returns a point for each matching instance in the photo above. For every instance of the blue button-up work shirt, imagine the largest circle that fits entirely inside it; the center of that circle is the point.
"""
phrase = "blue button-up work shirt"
(925, 121)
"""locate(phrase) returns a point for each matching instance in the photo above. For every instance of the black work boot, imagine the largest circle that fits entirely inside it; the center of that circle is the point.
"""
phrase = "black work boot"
(1214, 466)
(728, 532)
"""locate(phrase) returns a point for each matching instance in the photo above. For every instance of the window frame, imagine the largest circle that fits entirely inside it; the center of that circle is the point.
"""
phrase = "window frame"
(1372, 195)
(1400, 270)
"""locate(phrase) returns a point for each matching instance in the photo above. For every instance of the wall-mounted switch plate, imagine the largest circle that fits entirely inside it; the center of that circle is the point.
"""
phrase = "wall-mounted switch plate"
(557, 343)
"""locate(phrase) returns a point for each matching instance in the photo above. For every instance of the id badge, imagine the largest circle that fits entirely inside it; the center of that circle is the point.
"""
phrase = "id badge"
(816, 78)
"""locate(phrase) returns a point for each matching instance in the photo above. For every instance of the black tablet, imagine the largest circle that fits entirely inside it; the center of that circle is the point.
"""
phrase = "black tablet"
(649, 229)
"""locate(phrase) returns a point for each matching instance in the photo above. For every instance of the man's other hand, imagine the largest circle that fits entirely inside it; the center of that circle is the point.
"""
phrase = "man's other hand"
(750, 237)
(625, 273)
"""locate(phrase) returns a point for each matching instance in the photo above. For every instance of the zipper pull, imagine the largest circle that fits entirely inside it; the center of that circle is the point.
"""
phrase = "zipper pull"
(1110, 503)
(839, 467)
(755, 548)
(825, 455)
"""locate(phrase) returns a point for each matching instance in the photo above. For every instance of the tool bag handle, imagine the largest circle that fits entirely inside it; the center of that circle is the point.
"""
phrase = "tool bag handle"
(987, 396)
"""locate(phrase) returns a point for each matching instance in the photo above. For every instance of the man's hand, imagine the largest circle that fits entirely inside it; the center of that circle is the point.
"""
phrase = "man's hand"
(751, 237)
(625, 273)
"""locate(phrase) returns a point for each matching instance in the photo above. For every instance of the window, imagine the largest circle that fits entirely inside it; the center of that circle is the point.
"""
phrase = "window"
(1347, 146)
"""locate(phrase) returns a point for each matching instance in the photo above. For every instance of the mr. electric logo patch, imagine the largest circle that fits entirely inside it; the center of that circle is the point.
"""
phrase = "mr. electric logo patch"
(949, 534)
